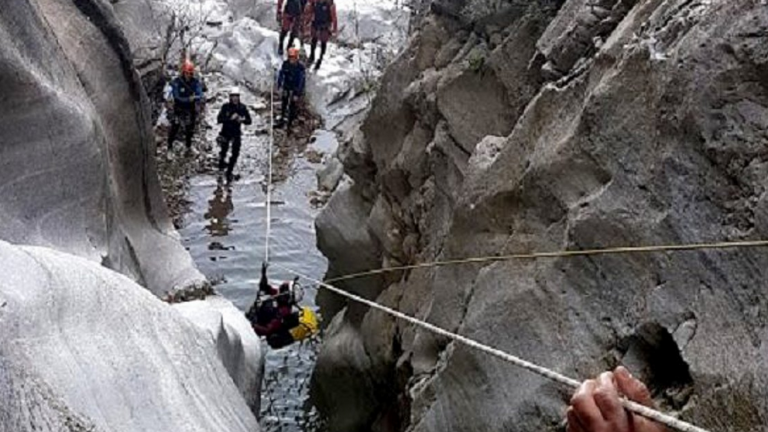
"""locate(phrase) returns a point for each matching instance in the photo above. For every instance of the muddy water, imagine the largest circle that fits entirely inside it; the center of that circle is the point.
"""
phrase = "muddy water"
(225, 231)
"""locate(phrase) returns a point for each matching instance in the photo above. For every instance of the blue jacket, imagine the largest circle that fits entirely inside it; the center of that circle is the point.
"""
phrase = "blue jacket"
(292, 77)
(186, 93)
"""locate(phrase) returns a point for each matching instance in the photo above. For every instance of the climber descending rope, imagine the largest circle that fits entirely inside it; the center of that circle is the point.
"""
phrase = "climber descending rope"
(552, 375)
(276, 313)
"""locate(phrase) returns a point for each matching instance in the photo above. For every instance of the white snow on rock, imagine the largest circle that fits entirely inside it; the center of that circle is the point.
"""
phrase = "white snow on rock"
(238, 346)
(84, 348)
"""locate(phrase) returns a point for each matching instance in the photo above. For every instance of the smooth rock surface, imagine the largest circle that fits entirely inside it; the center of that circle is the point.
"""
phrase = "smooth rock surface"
(83, 348)
(238, 346)
(76, 150)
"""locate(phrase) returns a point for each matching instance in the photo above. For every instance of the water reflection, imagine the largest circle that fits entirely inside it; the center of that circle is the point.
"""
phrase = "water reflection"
(225, 232)
(219, 209)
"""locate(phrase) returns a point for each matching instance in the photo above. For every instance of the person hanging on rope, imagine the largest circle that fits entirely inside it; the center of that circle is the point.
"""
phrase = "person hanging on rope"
(291, 81)
(186, 101)
(321, 15)
(232, 115)
(596, 407)
(289, 18)
(275, 316)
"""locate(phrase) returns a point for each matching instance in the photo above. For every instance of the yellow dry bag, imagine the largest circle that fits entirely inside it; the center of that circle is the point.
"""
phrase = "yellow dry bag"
(308, 325)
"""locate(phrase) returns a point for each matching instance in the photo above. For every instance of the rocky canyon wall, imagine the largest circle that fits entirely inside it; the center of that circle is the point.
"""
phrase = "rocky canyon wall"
(540, 126)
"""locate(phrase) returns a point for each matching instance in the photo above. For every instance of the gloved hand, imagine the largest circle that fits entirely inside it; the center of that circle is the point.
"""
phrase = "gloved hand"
(264, 268)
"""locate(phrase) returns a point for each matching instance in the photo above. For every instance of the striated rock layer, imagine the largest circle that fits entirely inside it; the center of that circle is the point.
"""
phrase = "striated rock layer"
(539, 126)
(76, 155)
(83, 348)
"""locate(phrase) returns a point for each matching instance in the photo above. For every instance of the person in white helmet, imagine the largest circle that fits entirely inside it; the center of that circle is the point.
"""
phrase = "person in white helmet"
(231, 117)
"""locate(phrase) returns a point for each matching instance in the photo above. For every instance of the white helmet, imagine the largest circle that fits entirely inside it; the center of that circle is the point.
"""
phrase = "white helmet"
(234, 91)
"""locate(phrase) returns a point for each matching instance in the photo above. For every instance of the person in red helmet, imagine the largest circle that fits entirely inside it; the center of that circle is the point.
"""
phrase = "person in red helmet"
(596, 405)
(321, 15)
(187, 95)
(291, 81)
(289, 17)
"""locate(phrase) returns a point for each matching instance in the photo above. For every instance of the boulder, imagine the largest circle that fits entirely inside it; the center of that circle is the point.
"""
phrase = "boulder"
(349, 242)
(330, 175)
(85, 348)
(238, 346)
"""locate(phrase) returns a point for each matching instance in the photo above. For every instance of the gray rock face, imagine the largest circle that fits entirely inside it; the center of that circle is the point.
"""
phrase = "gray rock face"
(237, 345)
(653, 133)
(76, 155)
(83, 348)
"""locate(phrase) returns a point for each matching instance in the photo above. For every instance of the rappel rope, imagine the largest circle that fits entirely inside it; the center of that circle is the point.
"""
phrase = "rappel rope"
(547, 373)
(269, 175)
(561, 254)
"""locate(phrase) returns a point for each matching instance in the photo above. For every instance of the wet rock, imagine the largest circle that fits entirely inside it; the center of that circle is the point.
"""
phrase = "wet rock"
(349, 243)
(84, 348)
(237, 345)
(330, 175)
(348, 398)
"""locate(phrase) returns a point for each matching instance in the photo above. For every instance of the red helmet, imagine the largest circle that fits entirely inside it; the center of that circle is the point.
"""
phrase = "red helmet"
(293, 53)
(188, 67)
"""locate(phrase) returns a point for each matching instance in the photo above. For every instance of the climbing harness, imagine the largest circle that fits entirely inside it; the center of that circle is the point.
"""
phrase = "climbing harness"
(559, 254)
(547, 373)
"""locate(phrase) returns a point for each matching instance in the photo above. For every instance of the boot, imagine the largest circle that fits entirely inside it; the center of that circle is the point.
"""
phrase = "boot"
(319, 62)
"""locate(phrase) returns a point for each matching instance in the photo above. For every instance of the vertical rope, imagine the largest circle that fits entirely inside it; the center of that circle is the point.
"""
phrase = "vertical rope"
(269, 178)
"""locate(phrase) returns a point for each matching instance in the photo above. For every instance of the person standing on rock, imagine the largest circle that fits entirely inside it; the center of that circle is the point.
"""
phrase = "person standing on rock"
(187, 95)
(291, 81)
(289, 17)
(322, 16)
(596, 405)
(231, 117)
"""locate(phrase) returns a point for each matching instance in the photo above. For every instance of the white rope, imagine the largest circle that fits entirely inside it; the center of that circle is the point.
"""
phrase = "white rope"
(552, 375)
(269, 178)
